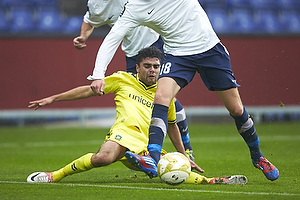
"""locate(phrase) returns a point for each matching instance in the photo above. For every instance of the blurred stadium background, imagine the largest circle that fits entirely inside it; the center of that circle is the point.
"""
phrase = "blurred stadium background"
(34, 18)
(37, 17)
(38, 59)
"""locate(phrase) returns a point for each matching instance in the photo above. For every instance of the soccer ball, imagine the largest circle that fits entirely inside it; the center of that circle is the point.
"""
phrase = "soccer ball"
(174, 168)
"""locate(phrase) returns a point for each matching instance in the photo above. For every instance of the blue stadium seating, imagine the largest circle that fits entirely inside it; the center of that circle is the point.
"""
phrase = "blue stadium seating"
(22, 19)
(73, 24)
(269, 21)
(32, 4)
(46, 4)
(212, 3)
(226, 16)
(4, 24)
(220, 20)
(288, 4)
(49, 20)
(291, 21)
(244, 21)
(238, 3)
(18, 3)
(2, 5)
(263, 4)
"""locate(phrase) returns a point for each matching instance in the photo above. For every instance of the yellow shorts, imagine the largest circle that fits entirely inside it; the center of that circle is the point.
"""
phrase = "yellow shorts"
(132, 139)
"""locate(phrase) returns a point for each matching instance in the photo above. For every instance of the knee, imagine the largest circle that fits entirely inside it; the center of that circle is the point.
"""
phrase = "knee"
(237, 111)
(160, 95)
(163, 98)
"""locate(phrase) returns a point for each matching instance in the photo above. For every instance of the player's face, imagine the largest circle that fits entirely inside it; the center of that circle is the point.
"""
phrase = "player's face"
(148, 70)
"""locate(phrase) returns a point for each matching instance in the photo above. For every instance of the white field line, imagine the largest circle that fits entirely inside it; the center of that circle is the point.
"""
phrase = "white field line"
(99, 142)
(157, 189)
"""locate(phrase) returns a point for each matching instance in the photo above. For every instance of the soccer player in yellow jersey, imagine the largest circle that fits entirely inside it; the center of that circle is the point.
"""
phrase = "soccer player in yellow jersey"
(134, 95)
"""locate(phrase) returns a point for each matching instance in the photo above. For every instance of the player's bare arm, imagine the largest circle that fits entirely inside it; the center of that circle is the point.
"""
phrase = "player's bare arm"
(81, 92)
(175, 137)
(85, 32)
(39, 103)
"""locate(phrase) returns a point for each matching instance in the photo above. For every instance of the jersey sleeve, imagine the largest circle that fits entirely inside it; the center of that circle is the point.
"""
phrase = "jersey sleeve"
(100, 12)
(93, 20)
(112, 83)
(110, 45)
(105, 54)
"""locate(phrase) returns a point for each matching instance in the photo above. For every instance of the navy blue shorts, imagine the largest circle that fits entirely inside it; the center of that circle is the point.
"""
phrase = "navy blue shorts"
(213, 66)
(131, 64)
(131, 61)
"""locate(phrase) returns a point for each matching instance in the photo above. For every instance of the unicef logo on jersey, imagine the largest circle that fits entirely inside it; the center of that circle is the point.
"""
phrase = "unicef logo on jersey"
(141, 100)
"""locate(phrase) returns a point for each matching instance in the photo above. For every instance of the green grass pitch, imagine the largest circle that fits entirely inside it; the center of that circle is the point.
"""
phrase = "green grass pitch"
(219, 150)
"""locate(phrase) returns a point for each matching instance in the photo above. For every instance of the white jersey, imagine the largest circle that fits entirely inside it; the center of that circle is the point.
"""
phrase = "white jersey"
(103, 12)
(183, 25)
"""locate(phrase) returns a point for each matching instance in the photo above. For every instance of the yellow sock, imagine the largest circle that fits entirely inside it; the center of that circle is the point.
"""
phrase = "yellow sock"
(197, 179)
(79, 165)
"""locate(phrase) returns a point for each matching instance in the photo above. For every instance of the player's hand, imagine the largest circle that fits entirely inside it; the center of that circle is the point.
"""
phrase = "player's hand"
(98, 86)
(195, 166)
(79, 42)
(39, 103)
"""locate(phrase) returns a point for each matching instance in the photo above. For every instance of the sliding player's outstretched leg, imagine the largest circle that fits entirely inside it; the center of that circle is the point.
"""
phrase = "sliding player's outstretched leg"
(230, 180)
(79, 165)
(196, 178)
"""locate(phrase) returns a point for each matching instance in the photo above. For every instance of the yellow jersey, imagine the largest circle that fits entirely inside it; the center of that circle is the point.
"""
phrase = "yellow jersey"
(134, 103)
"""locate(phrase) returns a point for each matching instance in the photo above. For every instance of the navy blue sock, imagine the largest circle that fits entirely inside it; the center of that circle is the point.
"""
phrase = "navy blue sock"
(157, 130)
(182, 125)
(247, 130)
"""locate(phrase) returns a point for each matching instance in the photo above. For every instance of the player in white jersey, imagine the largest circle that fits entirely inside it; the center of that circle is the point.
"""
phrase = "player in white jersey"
(191, 46)
(101, 12)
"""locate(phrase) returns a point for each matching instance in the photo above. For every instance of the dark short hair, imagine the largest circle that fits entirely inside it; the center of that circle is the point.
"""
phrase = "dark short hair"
(148, 52)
